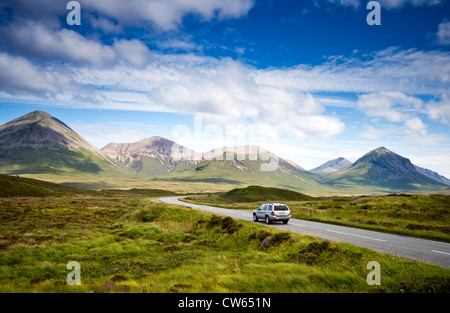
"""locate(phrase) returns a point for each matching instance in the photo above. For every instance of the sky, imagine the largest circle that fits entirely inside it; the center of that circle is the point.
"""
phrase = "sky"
(308, 80)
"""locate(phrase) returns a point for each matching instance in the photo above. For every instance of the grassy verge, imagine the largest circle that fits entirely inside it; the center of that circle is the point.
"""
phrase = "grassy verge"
(131, 244)
(425, 216)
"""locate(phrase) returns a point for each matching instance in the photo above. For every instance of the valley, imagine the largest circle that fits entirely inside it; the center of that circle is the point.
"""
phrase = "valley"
(63, 199)
(40, 146)
(127, 241)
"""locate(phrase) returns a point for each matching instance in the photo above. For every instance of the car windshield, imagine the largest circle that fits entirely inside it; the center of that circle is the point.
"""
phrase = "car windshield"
(281, 207)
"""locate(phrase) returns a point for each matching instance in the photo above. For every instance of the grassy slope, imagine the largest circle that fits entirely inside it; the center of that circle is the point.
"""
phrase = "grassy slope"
(130, 244)
(12, 186)
(258, 193)
(216, 172)
(79, 168)
(419, 215)
(361, 179)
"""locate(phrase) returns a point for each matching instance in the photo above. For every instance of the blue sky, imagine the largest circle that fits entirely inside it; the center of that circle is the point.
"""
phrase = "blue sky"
(309, 80)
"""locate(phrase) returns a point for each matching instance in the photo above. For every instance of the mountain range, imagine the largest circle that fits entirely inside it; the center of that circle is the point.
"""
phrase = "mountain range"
(333, 165)
(38, 143)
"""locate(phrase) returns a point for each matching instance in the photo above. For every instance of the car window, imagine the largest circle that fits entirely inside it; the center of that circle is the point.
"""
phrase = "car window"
(265, 207)
(281, 207)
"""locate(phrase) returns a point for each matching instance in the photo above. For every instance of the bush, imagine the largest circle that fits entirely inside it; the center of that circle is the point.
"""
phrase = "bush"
(226, 223)
(152, 214)
(314, 252)
(366, 207)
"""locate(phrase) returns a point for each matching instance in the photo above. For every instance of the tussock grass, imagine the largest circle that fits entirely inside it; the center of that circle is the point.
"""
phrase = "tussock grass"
(130, 244)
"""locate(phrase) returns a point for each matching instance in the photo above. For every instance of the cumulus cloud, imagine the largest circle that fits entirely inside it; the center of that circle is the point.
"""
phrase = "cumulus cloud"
(388, 70)
(400, 3)
(439, 109)
(20, 76)
(393, 106)
(165, 15)
(353, 3)
(168, 14)
(102, 134)
(178, 44)
(371, 132)
(106, 25)
(415, 127)
(443, 34)
(133, 51)
(225, 92)
(221, 90)
(37, 40)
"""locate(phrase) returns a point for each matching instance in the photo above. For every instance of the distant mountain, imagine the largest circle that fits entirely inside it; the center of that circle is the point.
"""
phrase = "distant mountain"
(40, 143)
(433, 175)
(382, 170)
(333, 165)
(152, 156)
(249, 165)
(164, 159)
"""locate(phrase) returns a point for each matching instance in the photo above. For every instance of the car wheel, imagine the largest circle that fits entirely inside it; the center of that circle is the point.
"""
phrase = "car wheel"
(268, 221)
(255, 218)
(285, 222)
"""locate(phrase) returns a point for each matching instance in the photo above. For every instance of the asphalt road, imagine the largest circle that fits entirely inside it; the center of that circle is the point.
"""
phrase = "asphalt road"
(422, 250)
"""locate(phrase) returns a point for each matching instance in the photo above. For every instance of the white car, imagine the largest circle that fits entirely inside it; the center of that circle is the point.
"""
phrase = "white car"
(271, 212)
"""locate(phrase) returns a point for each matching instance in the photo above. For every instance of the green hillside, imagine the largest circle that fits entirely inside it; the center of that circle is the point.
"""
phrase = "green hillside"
(381, 171)
(259, 194)
(12, 186)
(17, 186)
(242, 173)
(37, 143)
(54, 161)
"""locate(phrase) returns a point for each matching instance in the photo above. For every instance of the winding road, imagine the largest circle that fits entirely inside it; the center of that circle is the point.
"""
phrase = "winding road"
(422, 250)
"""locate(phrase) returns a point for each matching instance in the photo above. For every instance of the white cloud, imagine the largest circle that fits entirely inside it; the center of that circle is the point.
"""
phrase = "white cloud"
(393, 106)
(439, 110)
(396, 108)
(38, 40)
(168, 14)
(414, 127)
(114, 14)
(387, 70)
(178, 44)
(20, 76)
(133, 51)
(371, 132)
(443, 34)
(400, 3)
(228, 91)
(102, 134)
(353, 3)
(106, 25)
(221, 91)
